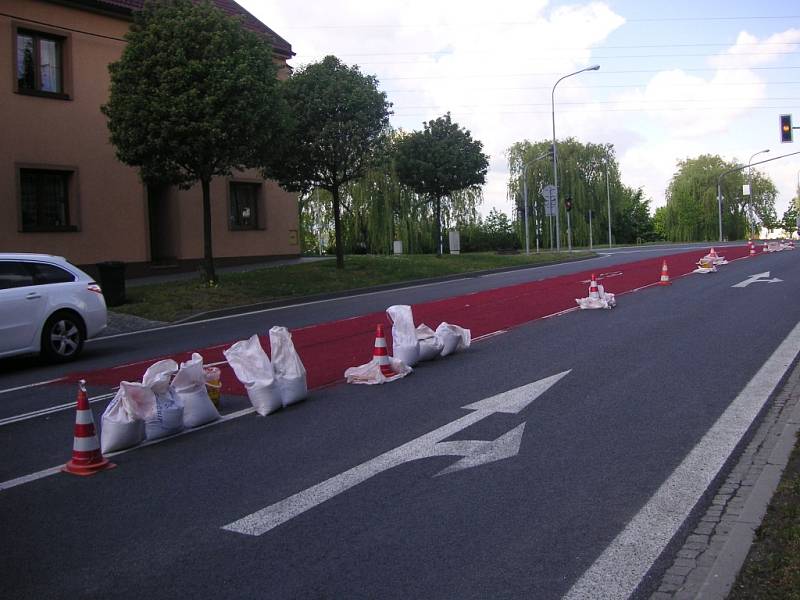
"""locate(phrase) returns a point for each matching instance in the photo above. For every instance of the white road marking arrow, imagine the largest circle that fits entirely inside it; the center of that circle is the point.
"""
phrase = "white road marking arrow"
(760, 278)
(474, 453)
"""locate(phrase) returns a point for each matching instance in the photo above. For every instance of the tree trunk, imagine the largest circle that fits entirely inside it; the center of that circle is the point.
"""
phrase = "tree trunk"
(337, 226)
(209, 275)
(438, 226)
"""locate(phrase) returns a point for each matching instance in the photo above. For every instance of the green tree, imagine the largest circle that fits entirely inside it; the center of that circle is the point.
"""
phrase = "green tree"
(193, 96)
(439, 161)
(338, 120)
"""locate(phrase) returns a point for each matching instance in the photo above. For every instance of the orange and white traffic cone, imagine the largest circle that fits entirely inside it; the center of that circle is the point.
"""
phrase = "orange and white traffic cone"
(86, 456)
(381, 355)
(713, 254)
(593, 291)
(752, 248)
(664, 274)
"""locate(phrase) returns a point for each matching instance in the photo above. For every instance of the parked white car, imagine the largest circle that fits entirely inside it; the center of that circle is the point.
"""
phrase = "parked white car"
(47, 305)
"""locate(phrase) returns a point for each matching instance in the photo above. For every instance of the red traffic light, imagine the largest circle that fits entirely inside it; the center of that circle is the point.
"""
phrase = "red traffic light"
(786, 128)
(568, 204)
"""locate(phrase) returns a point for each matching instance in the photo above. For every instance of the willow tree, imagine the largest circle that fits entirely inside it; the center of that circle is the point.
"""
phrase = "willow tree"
(193, 96)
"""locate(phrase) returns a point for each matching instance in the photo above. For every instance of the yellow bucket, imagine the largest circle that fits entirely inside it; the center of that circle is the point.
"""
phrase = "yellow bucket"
(213, 384)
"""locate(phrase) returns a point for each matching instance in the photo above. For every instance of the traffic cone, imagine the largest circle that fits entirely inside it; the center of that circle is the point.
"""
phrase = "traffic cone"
(752, 248)
(380, 355)
(593, 291)
(664, 274)
(713, 254)
(86, 456)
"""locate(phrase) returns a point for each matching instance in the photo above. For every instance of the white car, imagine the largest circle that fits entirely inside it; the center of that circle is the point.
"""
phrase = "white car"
(47, 305)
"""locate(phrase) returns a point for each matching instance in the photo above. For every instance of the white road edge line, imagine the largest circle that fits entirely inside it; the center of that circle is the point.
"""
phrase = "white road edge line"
(30, 385)
(621, 567)
(7, 485)
(51, 409)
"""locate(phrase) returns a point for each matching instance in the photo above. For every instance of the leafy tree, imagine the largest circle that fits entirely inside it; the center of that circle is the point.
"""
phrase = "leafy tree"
(338, 118)
(692, 209)
(439, 161)
(193, 96)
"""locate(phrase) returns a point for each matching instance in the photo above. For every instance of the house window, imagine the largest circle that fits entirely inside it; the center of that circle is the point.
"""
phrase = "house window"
(244, 205)
(40, 63)
(44, 197)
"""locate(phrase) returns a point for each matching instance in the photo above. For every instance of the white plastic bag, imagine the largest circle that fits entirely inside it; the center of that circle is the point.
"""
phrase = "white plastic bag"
(252, 367)
(404, 337)
(190, 387)
(290, 373)
(370, 373)
(167, 418)
(453, 338)
(122, 427)
(429, 345)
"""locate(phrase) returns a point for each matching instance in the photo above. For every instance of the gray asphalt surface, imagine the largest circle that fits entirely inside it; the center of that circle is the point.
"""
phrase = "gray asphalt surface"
(647, 380)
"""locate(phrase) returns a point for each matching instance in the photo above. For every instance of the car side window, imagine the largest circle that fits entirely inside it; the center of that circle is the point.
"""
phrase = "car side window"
(14, 274)
(44, 274)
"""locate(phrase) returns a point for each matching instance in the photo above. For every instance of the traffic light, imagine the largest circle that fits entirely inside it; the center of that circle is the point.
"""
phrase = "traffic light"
(786, 128)
(568, 204)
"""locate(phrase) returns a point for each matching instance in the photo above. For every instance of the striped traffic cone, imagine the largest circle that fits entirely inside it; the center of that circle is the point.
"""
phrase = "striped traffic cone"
(86, 456)
(593, 291)
(752, 248)
(713, 254)
(664, 274)
(381, 355)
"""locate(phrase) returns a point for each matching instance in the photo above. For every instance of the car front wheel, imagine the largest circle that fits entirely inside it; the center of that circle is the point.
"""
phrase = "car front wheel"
(62, 337)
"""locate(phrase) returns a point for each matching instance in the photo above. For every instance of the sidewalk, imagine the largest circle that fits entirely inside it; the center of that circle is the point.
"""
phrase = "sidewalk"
(715, 550)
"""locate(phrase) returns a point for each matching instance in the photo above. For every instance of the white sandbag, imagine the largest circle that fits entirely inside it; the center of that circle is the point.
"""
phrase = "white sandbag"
(290, 373)
(453, 338)
(405, 345)
(370, 373)
(120, 427)
(168, 416)
(252, 367)
(429, 345)
(190, 387)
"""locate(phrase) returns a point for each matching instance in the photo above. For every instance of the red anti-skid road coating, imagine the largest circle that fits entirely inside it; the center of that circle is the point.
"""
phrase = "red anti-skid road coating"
(329, 348)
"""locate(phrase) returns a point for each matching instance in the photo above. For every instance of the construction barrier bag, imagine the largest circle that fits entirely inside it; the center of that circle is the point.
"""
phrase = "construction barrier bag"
(405, 345)
(370, 373)
(430, 346)
(252, 367)
(123, 419)
(190, 387)
(290, 373)
(167, 419)
(453, 338)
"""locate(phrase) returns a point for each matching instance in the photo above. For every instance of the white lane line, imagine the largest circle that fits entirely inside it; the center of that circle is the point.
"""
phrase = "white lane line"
(31, 385)
(11, 483)
(50, 409)
(274, 308)
(624, 563)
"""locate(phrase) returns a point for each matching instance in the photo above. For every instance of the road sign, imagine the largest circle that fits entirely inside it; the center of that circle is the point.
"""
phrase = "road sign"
(549, 192)
(550, 207)
(473, 453)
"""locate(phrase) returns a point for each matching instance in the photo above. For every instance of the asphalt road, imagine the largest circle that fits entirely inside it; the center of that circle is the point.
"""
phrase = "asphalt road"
(641, 387)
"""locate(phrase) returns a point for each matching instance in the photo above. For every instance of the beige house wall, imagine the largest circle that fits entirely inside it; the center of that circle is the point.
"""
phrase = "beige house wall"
(109, 204)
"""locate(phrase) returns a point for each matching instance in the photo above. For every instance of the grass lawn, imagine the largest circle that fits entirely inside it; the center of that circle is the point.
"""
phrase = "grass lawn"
(772, 569)
(175, 300)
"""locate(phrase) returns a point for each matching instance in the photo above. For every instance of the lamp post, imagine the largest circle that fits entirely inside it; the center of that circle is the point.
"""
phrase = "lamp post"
(750, 186)
(608, 197)
(555, 155)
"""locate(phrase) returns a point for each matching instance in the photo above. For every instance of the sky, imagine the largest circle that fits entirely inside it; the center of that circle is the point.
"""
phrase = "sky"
(677, 79)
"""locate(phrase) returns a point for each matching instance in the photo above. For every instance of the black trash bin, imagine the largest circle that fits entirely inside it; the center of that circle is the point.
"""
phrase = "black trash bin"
(112, 281)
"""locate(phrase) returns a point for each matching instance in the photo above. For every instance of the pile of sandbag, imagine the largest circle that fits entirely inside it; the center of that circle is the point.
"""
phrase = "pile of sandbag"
(168, 399)
(269, 385)
(410, 345)
(598, 297)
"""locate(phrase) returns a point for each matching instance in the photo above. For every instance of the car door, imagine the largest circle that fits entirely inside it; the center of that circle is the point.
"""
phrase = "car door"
(22, 307)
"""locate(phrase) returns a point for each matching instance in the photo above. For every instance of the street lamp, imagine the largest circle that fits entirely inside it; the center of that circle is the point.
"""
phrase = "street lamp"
(555, 157)
(750, 186)
(608, 197)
